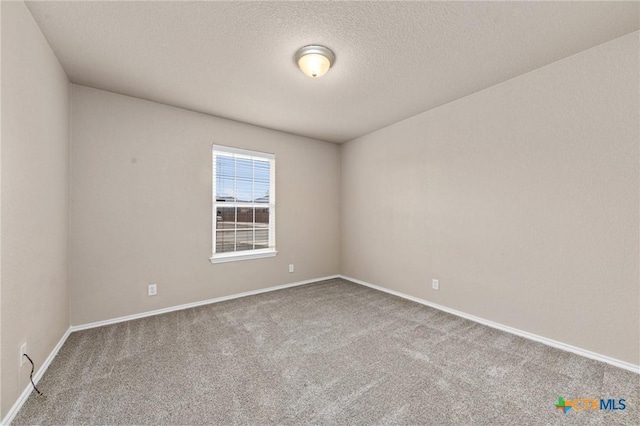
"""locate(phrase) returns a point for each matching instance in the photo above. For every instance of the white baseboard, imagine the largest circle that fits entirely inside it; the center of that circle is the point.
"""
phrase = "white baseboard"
(36, 378)
(550, 342)
(194, 304)
(554, 343)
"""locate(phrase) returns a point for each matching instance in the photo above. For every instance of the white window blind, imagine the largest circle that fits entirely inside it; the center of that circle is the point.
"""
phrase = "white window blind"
(243, 204)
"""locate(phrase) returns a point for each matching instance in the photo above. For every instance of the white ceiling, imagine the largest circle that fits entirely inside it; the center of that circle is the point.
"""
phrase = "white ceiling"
(394, 59)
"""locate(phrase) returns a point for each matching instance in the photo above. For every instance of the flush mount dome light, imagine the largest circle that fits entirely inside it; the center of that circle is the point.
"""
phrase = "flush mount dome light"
(315, 60)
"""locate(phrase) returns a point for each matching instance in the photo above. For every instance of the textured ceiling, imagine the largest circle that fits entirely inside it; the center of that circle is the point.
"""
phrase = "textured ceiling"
(394, 59)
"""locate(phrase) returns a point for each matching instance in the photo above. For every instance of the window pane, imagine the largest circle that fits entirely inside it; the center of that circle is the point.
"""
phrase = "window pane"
(244, 239)
(225, 189)
(225, 241)
(244, 179)
(225, 218)
(244, 191)
(244, 169)
(262, 228)
(261, 171)
(262, 238)
(261, 192)
(245, 217)
(225, 166)
(262, 217)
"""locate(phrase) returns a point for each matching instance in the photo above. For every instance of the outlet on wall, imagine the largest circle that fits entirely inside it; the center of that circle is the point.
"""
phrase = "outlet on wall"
(435, 284)
(23, 350)
(291, 267)
(152, 290)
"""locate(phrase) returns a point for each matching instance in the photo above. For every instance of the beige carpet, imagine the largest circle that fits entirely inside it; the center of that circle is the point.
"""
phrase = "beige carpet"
(332, 352)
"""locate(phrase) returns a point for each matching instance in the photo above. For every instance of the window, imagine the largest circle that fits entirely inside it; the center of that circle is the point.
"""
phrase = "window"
(243, 204)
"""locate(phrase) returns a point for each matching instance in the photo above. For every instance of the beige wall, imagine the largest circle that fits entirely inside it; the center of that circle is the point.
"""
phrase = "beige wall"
(522, 199)
(35, 140)
(140, 208)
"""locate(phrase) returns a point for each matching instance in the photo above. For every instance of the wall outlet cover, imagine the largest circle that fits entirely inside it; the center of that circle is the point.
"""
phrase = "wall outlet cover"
(23, 350)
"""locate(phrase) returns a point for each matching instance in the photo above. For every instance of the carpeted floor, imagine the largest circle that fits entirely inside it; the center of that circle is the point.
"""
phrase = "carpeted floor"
(332, 352)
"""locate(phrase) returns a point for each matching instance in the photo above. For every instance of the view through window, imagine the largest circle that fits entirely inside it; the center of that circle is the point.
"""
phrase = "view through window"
(244, 203)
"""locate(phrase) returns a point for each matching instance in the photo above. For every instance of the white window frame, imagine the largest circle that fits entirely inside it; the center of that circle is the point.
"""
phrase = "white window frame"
(245, 254)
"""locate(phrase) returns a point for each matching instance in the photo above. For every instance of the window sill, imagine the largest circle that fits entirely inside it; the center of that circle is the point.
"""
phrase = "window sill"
(232, 257)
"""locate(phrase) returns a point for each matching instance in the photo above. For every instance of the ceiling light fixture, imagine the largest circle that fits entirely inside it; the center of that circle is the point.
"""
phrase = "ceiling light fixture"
(315, 60)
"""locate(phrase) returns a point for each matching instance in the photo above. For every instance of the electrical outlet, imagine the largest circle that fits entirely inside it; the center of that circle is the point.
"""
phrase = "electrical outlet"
(291, 268)
(152, 290)
(23, 350)
(435, 284)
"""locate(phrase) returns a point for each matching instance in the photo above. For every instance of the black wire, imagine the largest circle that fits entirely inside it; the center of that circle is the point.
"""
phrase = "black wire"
(31, 375)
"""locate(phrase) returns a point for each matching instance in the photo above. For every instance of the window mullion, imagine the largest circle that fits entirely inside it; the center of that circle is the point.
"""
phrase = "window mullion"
(235, 210)
(253, 203)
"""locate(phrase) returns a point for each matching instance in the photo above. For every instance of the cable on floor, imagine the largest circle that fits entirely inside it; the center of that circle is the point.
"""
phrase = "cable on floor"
(31, 375)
